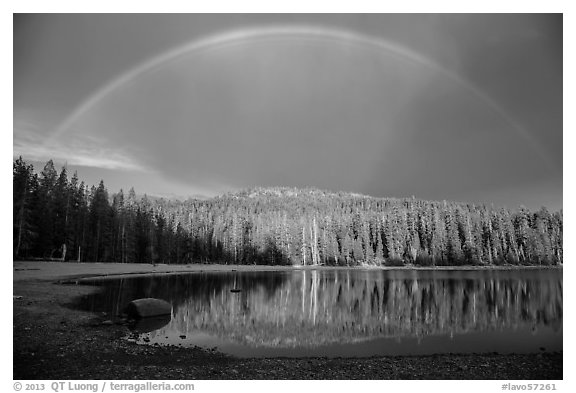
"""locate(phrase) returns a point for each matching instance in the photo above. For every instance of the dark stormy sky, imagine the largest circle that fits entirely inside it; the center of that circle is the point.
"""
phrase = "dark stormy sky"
(464, 107)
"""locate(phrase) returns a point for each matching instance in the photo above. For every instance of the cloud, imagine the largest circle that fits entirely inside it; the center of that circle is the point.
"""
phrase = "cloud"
(80, 150)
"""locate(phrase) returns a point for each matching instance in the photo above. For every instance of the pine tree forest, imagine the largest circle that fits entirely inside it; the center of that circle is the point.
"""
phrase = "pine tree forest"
(58, 217)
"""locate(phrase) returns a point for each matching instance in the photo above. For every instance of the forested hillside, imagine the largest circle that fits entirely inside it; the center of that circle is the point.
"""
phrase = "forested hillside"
(62, 218)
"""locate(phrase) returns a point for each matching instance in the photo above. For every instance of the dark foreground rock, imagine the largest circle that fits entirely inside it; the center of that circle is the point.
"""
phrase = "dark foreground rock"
(148, 307)
(53, 341)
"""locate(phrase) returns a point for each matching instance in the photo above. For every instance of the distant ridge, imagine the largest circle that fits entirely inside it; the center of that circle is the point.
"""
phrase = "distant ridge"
(255, 192)
(313, 192)
(175, 197)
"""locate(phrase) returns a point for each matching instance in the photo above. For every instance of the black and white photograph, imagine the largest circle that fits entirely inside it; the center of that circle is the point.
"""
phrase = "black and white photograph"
(287, 196)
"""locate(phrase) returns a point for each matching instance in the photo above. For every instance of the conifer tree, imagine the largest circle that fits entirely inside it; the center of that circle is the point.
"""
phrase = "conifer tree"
(24, 185)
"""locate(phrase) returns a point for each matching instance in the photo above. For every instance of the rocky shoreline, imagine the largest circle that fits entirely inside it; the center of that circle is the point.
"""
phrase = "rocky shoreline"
(54, 341)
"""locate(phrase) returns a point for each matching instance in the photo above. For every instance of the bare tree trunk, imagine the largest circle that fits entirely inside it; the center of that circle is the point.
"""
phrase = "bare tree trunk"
(65, 227)
(315, 240)
(97, 243)
(312, 252)
(151, 243)
(21, 220)
(123, 243)
(303, 246)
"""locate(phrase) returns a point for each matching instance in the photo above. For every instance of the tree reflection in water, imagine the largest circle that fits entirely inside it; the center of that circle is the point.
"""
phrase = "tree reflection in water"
(309, 308)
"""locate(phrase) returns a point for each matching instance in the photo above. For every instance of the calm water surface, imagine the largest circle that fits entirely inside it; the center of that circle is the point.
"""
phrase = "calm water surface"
(331, 312)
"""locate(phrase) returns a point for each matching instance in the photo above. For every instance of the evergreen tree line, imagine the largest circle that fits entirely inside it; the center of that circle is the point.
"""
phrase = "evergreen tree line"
(60, 218)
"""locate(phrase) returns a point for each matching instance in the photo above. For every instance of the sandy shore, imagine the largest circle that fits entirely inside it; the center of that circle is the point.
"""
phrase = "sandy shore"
(54, 341)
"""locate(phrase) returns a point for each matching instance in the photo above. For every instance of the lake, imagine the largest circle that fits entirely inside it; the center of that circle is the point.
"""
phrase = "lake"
(346, 312)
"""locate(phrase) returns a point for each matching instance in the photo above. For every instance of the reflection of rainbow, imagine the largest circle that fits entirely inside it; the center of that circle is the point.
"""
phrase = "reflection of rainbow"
(246, 36)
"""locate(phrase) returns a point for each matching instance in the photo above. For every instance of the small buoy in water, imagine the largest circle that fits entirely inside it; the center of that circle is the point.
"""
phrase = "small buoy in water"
(235, 290)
